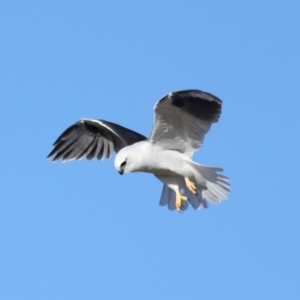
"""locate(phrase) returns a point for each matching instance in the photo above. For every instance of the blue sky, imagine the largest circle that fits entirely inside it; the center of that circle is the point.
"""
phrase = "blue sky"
(79, 230)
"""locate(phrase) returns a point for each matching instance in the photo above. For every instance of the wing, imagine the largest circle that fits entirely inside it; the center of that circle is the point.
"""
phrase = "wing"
(183, 118)
(93, 139)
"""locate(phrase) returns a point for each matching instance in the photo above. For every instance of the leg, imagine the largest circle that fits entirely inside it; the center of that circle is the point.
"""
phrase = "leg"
(178, 202)
(190, 185)
(175, 183)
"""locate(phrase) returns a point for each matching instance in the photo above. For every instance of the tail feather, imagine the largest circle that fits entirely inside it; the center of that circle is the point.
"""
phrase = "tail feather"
(197, 201)
(209, 195)
(223, 189)
(225, 184)
(216, 189)
(167, 198)
(217, 185)
(165, 195)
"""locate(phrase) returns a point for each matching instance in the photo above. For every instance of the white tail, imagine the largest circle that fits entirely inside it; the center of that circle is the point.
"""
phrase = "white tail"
(216, 189)
(217, 185)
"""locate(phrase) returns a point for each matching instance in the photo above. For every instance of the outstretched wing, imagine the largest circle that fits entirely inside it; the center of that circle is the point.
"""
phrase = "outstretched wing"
(183, 118)
(92, 139)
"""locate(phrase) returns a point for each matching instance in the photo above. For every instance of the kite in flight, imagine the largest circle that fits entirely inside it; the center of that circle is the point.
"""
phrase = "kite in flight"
(181, 120)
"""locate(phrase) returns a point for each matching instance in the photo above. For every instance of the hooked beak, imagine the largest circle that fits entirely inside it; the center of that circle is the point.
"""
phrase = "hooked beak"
(121, 172)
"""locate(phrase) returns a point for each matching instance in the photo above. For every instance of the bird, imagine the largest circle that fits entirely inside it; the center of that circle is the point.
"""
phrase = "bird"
(182, 118)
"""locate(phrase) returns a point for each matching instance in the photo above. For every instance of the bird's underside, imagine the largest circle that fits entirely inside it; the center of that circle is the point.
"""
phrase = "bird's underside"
(181, 121)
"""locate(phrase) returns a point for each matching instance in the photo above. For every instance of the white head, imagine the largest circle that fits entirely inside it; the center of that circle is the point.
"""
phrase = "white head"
(124, 161)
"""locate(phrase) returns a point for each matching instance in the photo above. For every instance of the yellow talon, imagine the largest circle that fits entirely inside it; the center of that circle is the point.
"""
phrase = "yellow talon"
(190, 185)
(178, 202)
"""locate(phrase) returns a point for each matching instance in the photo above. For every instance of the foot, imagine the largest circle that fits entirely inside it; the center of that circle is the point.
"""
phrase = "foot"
(190, 185)
(178, 202)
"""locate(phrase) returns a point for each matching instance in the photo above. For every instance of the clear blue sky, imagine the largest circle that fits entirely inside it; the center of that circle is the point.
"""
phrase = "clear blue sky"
(81, 231)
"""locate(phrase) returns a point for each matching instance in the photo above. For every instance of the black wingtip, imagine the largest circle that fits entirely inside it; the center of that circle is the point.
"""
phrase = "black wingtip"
(197, 103)
(201, 95)
(50, 154)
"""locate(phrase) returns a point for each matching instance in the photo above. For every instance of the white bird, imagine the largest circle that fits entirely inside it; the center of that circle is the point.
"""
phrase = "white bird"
(181, 120)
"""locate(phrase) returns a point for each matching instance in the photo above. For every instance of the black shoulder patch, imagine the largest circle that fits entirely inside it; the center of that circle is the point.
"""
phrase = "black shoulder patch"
(199, 104)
